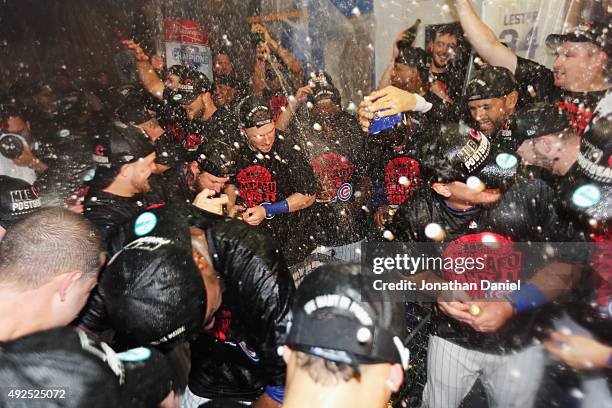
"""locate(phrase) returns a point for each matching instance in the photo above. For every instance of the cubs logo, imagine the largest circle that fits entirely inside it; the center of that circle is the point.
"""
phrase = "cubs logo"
(345, 192)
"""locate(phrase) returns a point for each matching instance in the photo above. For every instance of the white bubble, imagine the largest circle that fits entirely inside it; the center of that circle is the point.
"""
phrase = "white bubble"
(364, 335)
(309, 105)
(488, 239)
(474, 183)
(317, 127)
(576, 393)
(515, 373)
(356, 12)
(296, 148)
(566, 331)
(291, 98)
(445, 8)
(403, 180)
(351, 106)
(388, 235)
(435, 232)
(94, 199)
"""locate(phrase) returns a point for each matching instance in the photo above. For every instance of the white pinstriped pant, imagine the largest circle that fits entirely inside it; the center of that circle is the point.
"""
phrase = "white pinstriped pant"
(510, 380)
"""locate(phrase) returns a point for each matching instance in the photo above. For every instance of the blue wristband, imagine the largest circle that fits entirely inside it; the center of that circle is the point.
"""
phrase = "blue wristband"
(279, 207)
(527, 298)
(276, 392)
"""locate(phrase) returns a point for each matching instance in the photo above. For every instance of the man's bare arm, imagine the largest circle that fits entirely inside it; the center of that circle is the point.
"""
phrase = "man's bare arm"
(147, 75)
(482, 38)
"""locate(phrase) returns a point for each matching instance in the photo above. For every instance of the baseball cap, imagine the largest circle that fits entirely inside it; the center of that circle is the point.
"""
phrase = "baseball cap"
(18, 198)
(154, 292)
(192, 83)
(89, 372)
(121, 144)
(133, 109)
(537, 119)
(324, 90)
(216, 158)
(595, 32)
(411, 57)
(490, 82)
(586, 190)
(254, 112)
(456, 152)
(338, 316)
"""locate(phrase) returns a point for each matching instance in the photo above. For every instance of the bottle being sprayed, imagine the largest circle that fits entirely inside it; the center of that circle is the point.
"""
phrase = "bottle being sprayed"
(409, 35)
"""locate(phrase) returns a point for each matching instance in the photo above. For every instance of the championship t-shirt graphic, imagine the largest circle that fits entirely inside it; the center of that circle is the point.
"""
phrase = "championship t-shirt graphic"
(333, 172)
(402, 177)
(256, 186)
(501, 261)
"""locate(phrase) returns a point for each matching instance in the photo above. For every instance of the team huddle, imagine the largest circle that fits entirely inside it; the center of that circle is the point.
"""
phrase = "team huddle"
(198, 242)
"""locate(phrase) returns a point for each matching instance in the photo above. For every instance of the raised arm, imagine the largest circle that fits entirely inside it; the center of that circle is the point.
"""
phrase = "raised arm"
(482, 38)
(148, 77)
(287, 57)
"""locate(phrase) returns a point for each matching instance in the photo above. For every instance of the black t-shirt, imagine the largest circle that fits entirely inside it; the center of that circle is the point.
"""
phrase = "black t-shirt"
(221, 125)
(578, 105)
(524, 214)
(272, 177)
(389, 165)
(337, 156)
(450, 81)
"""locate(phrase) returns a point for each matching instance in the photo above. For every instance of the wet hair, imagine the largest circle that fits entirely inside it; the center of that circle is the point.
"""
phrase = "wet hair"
(324, 372)
(447, 29)
(46, 244)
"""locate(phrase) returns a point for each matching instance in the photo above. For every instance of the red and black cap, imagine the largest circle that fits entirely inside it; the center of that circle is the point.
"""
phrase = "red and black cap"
(337, 316)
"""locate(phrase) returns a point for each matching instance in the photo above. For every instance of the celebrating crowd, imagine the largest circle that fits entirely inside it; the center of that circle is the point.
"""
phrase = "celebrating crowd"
(198, 242)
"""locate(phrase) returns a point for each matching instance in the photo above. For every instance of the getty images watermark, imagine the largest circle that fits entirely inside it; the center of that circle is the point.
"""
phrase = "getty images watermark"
(469, 267)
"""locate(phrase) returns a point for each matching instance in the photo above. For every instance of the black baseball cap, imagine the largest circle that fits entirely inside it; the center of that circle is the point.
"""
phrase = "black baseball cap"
(411, 57)
(154, 292)
(254, 112)
(455, 152)
(133, 109)
(192, 84)
(18, 198)
(587, 189)
(120, 144)
(536, 120)
(336, 315)
(490, 82)
(217, 158)
(324, 90)
(595, 32)
(89, 372)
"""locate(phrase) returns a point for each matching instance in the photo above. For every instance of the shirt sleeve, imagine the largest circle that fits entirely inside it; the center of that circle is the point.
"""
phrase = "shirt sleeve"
(536, 83)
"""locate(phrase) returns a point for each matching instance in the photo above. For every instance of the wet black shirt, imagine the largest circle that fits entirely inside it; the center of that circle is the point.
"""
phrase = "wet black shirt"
(337, 156)
(524, 214)
(272, 177)
(578, 105)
